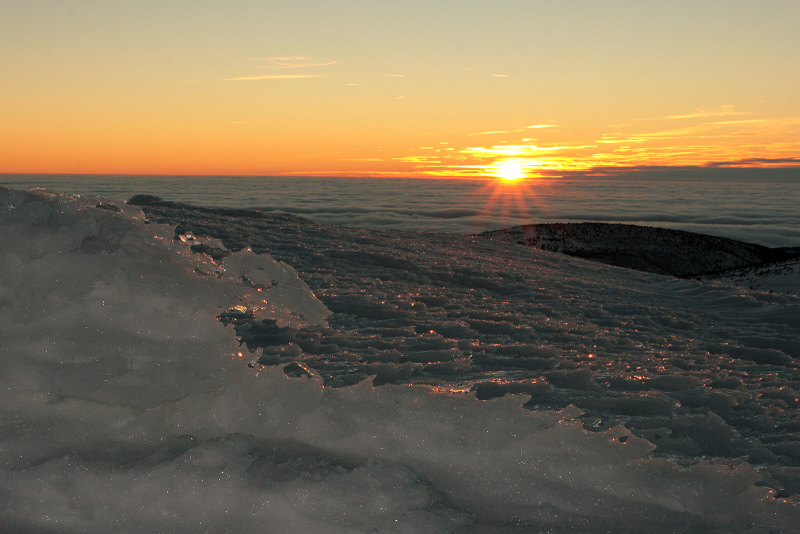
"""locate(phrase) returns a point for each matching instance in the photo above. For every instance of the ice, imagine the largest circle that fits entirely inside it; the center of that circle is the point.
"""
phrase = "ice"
(127, 405)
(278, 295)
(120, 322)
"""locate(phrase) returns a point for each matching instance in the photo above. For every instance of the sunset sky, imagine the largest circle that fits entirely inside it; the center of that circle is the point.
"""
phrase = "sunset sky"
(405, 88)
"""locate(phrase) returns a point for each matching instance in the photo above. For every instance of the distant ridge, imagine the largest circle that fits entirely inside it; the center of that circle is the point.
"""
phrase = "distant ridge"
(644, 248)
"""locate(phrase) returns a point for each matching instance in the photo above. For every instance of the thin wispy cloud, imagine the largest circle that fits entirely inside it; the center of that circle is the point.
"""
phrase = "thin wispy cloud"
(492, 132)
(292, 62)
(418, 159)
(749, 121)
(516, 150)
(723, 111)
(531, 127)
(284, 58)
(703, 114)
(274, 77)
(278, 63)
(702, 130)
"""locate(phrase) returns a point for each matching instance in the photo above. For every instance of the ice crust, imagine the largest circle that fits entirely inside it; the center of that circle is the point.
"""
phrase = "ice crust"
(125, 406)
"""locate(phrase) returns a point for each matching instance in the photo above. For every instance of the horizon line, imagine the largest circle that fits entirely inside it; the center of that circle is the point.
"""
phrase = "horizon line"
(591, 172)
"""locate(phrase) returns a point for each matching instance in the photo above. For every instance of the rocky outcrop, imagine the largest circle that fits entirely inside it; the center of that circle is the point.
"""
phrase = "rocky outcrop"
(644, 248)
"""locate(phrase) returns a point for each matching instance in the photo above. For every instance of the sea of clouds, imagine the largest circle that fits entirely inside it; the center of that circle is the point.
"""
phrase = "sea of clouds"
(754, 206)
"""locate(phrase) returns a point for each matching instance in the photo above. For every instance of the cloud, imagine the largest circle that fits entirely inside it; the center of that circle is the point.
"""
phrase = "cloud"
(284, 58)
(723, 111)
(515, 150)
(292, 62)
(613, 139)
(531, 127)
(494, 132)
(281, 63)
(754, 161)
(749, 121)
(703, 130)
(274, 77)
(418, 159)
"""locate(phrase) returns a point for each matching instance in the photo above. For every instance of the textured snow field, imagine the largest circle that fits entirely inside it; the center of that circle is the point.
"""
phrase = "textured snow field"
(634, 402)
(781, 278)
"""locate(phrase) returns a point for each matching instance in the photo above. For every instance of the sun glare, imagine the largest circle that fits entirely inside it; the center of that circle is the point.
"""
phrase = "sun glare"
(508, 169)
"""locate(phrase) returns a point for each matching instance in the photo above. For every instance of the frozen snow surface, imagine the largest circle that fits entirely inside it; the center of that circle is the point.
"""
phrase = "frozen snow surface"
(779, 277)
(398, 382)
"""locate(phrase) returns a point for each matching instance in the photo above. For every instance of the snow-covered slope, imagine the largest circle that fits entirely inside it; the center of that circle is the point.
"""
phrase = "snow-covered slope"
(644, 248)
(777, 277)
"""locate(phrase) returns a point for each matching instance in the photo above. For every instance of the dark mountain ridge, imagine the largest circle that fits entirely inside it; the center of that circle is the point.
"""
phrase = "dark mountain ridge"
(645, 248)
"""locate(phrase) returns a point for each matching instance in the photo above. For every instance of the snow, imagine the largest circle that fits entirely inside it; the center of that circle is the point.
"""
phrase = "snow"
(781, 277)
(127, 405)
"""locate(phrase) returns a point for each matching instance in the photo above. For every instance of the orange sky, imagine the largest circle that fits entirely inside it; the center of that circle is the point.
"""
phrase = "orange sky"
(434, 88)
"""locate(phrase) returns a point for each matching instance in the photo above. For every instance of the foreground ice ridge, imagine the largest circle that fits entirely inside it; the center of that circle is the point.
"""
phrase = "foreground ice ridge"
(125, 407)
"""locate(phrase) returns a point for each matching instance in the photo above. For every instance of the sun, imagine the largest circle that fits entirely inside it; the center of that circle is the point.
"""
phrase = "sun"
(508, 169)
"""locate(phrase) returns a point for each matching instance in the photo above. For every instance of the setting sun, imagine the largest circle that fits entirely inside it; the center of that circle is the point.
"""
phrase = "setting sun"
(508, 169)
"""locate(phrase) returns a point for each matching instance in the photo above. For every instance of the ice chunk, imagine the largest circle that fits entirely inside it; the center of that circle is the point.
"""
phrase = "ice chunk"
(278, 293)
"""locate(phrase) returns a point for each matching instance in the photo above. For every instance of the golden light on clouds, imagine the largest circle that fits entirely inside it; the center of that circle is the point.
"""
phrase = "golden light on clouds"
(700, 140)
(276, 64)
(292, 62)
(273, 77)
